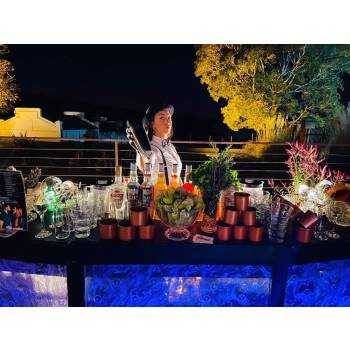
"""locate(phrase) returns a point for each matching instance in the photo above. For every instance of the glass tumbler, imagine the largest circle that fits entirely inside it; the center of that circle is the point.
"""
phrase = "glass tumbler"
(280, 213)
(82, 222)
(100, 193)
(67, 225)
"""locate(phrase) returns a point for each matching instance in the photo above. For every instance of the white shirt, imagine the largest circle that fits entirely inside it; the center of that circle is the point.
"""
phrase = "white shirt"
(170, 154)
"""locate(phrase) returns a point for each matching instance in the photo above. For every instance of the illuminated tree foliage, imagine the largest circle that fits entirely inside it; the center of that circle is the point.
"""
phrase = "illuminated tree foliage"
(271, 88)
(8, 88)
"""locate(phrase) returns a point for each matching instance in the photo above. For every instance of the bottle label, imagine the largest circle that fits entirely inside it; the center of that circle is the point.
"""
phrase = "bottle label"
(133, 196)
(146, 196)
(117, 195)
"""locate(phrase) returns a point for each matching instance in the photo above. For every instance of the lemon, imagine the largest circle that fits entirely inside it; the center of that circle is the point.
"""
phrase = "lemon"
(170, 192)
(167, 200)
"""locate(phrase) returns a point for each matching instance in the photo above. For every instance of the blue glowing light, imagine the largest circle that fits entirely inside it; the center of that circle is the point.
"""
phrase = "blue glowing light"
(27, 284)
(319, 284)
(177, 285)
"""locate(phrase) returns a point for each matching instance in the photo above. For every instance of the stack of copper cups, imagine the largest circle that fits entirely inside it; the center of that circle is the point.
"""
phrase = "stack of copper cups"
(239, 220)
(127, 230)
(141, 222)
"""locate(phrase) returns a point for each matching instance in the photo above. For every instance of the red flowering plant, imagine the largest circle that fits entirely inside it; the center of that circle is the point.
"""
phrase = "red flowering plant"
(305, 166)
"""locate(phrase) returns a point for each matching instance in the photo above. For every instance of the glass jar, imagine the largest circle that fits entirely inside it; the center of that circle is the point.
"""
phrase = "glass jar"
(255, 189)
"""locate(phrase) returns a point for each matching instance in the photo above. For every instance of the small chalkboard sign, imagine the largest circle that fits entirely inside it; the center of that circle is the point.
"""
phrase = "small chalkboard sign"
(13, 211)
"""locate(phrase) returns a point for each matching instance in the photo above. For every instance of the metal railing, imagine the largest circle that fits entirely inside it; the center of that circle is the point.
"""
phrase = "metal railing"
(89, 160)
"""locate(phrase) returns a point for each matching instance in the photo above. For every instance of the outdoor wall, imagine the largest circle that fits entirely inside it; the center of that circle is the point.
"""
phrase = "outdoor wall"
(29, 122)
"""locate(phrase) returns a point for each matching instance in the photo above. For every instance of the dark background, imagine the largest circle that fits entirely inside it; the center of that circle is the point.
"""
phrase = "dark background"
(119, 82)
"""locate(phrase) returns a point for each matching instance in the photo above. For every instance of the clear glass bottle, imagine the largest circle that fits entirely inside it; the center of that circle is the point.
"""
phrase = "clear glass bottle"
(50, 198)
(175, 178)
(187, 182)
(188, 171)
(133, 187)
(117, 196)
(146, 188)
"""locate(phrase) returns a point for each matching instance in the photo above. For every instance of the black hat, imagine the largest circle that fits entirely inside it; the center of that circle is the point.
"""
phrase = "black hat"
(152, 111)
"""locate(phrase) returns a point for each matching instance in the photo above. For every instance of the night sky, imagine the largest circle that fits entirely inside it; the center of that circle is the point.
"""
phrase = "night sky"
(120, 76)
(109, 79)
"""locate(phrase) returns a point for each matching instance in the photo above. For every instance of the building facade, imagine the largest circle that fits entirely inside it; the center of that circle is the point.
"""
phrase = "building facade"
(28, 122)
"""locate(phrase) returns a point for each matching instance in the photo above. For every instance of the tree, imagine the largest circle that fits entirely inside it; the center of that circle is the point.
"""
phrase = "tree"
(271, 88)
(8, 87)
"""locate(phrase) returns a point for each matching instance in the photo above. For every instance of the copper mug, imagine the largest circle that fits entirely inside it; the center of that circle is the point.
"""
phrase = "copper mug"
(240, 232)
(138, 216)
(108, 228)
(224, 231)
(242, 200)
(304, 235)
(308, 219)
(256, 233)
(231, 215)
(249, 216)
(148, 230)
(126, 232)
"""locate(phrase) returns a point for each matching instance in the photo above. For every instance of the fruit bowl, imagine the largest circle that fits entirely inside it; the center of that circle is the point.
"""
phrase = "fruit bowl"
(178, 209)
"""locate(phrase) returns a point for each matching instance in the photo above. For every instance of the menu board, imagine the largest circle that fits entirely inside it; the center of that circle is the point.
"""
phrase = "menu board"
(13, 212)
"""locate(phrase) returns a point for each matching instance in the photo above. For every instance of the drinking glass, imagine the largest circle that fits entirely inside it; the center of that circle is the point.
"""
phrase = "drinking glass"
(263, 210)
(335, 213)
(323, 229)
(280, 213)
(88, 194)
(89, 206)
(41, 207)
(100, 193)
(331, 232)
(60, 223)
(82, 222)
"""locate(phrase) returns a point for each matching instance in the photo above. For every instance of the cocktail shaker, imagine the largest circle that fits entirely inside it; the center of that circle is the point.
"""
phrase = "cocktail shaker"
(138, 137)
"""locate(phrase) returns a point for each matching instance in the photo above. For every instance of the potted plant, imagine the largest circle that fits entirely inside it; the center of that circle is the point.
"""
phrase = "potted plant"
(212, 177)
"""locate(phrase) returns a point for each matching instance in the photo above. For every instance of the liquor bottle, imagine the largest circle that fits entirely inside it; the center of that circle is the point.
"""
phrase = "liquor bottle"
(117, 196)
(50, 198)
(51, 201)
(133, 187)
(187, 182)
(146, 188)
(175, 178)
(188, 171)
(159, 188)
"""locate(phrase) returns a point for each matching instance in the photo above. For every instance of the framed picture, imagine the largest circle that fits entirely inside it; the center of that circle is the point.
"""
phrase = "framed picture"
(13, 211)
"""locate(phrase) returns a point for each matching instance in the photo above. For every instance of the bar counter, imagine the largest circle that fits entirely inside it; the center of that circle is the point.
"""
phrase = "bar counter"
(77, 254)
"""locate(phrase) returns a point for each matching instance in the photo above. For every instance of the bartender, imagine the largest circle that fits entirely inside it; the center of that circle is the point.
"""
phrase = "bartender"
(158, 124)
